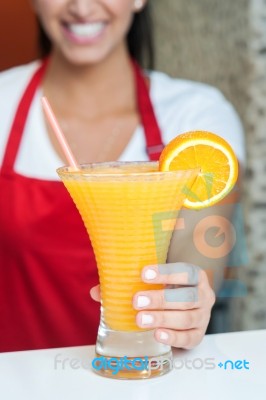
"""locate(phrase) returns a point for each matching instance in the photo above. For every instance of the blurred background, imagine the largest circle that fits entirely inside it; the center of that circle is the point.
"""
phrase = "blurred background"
(222, 43)
(17, 33)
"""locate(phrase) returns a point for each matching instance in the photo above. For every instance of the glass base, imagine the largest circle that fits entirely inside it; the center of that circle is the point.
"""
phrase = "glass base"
(130, 355)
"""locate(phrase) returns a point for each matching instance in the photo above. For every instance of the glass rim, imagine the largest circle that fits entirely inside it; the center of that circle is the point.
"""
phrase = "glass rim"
(68, 170)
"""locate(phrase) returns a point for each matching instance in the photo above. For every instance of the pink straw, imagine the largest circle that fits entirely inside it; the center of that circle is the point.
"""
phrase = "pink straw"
(59, 134)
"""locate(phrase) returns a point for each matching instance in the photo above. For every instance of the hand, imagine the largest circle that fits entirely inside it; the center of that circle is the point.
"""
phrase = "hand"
(187, 297)
(185, 304)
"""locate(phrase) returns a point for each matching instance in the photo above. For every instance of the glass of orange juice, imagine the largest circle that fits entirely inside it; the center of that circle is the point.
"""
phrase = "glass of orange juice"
(129, 210)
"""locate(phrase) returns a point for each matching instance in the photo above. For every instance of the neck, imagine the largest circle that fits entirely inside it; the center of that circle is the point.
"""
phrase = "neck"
(95, 85)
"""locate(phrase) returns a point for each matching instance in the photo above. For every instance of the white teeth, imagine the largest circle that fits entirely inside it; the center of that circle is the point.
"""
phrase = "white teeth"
(87, 30)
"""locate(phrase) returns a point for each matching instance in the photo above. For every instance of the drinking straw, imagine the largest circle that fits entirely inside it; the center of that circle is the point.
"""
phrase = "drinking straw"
(59, 134)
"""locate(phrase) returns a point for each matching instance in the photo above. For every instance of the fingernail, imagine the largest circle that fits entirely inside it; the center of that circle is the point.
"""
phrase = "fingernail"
(147, 319)
(164, 336)
(150, 274)
(143, 301)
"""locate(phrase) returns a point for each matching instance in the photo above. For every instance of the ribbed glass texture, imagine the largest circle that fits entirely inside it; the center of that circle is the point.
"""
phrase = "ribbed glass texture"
(129, 210)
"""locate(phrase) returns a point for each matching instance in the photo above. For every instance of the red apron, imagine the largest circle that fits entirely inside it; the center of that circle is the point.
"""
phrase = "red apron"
(47, 265)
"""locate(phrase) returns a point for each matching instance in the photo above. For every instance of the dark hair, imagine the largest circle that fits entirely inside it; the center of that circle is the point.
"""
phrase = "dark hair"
(139, 39)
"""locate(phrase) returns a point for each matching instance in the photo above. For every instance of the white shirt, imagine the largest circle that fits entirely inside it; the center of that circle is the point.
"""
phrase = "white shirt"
(180, 106)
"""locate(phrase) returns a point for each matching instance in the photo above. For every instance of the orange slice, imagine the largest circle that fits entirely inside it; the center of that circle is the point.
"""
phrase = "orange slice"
(213, 156)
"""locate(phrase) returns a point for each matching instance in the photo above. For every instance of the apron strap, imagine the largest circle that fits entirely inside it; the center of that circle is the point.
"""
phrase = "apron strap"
(154, 144)
(20, 119)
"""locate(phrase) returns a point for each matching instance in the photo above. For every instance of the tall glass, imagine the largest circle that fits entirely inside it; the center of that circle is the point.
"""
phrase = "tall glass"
(129, 210)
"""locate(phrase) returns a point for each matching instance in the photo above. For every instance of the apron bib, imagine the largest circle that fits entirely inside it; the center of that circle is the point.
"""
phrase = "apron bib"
(47, 265)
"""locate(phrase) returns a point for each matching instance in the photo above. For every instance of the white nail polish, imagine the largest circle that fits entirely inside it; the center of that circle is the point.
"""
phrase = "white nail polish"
(143, 301)
(147, 319)
(150, 274)
(164, 336)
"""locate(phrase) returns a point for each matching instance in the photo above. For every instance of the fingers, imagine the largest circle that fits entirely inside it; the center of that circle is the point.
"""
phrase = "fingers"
(177, 294)
(95, 293)
(180, 339)
(182, 298)
(190, 288)
(179, 320)
(180, 313)
(173, 273)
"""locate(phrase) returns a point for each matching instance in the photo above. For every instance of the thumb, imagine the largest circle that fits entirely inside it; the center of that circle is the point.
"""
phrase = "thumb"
(95, 293)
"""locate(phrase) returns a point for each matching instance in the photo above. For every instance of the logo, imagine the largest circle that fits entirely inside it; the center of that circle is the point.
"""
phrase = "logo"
(116, 364)
(123, 363)
(230, 364)
(214, 240)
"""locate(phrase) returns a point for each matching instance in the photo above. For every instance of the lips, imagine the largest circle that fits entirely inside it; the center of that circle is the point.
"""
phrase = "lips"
(85, 31)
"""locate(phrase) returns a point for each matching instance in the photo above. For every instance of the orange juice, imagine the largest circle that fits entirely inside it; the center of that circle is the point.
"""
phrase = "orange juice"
(129, 210)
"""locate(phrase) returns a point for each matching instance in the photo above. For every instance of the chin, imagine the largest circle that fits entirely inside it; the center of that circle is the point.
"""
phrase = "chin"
(81, 59)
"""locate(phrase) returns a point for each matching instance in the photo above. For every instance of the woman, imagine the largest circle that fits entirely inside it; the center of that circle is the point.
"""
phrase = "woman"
(108, 110)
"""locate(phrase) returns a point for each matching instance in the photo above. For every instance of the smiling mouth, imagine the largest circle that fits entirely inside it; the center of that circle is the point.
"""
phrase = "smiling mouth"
(86, 30)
